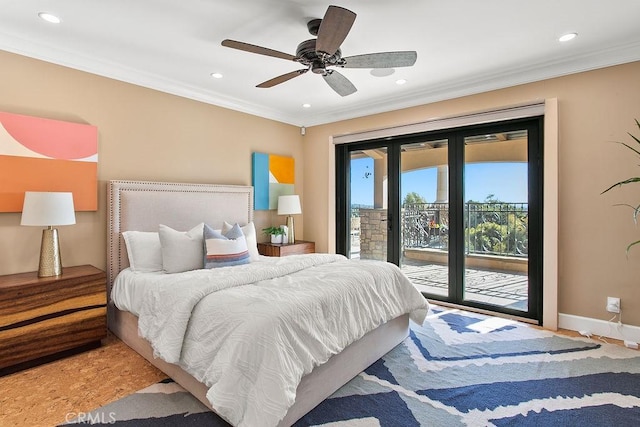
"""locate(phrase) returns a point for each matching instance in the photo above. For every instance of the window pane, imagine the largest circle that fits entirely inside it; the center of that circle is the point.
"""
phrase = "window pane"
(425, 215)
(496, 219)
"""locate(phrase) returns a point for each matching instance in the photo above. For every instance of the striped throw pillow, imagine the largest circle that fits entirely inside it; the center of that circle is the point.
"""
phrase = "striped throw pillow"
(224, 250)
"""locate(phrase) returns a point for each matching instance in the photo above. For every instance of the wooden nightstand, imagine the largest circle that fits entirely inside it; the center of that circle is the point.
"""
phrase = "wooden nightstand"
(43, 317)
(282, 249)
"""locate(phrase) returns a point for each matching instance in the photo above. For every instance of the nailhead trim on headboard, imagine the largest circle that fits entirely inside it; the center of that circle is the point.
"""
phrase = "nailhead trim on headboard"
(210, 192)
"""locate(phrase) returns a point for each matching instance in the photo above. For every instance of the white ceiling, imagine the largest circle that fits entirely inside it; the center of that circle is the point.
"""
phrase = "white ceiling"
(463, 46)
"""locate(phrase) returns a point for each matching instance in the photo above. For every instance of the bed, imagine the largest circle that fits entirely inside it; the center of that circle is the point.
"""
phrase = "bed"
(143, 206)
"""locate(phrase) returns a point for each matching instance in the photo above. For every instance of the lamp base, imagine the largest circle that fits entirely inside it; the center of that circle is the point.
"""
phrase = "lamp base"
(50, 260)
(290, 235)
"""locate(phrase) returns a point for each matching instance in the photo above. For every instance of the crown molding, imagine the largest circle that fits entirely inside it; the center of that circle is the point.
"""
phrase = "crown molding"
(116, 71)
(463, 87)
(488, 82)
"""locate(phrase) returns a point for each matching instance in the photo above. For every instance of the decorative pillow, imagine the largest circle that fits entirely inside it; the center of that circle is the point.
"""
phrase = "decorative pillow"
(225, 249)
(181, 250)
(249, 232)
(143, 250)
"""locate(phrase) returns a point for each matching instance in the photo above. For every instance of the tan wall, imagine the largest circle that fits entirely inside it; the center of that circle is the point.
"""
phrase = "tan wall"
(594, 107)
(143, 135)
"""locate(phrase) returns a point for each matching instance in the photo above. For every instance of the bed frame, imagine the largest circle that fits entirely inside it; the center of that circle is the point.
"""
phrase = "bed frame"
(142, 206)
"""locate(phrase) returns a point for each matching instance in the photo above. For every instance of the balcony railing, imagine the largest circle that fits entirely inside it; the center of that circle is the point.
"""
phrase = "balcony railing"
(491, 228)
(425, 225)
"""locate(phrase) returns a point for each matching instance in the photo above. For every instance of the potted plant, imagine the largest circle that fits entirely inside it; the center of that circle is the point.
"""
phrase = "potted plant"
(636, 209)
(276, 233)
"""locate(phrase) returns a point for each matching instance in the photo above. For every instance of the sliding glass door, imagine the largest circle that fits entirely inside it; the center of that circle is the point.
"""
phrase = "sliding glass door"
(458, 210)
(368, 217)
(496, 214)
(424, 189)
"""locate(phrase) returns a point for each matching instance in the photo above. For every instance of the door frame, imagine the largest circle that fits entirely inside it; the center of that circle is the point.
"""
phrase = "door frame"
(535, 128)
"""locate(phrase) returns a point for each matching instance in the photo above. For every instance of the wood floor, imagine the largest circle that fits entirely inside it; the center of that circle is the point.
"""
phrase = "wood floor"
(49, 394)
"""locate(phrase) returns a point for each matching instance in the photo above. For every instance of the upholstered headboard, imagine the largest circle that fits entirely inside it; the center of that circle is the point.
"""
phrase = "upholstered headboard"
(142, 206)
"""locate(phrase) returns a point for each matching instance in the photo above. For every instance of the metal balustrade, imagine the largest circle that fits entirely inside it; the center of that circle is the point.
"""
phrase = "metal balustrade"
(491, 228)
(425, 225)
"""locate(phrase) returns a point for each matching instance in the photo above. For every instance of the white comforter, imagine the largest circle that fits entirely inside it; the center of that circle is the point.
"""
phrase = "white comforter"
(250, 333)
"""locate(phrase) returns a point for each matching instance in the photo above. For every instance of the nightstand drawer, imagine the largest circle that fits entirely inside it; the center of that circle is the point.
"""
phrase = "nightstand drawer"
(279, 250)
(51, 335)
(44, 316)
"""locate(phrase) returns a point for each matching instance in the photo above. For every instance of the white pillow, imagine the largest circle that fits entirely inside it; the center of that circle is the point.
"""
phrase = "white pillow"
(225, 250)
(249, 232)
(143, 250)
(181, 250)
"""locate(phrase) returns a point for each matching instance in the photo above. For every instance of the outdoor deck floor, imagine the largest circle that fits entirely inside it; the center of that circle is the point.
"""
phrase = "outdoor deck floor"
(499, 288)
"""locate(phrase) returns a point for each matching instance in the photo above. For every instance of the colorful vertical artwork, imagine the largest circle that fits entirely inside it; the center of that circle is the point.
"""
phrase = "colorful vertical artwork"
(39, 154)
(273, 176)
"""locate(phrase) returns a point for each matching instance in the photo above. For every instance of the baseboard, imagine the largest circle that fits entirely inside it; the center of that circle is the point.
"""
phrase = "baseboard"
(599, 327)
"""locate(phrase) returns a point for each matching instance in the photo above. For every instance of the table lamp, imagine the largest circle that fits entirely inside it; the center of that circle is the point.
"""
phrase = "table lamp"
(48, 209)
(289, 205)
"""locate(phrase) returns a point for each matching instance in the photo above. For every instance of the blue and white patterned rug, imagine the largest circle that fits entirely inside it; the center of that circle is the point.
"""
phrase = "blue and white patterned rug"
(458, 369)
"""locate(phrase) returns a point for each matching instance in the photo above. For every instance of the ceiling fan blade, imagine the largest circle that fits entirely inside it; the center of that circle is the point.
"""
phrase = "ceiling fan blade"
(283, 78)
(339, 83)
(257, 49)
(382, 60)
(334, 28)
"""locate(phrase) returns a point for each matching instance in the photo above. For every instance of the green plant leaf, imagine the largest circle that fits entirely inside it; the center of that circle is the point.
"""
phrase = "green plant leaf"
(273, 230)
(630, 147)
(632, 245)
(621, 183)
(636, 209)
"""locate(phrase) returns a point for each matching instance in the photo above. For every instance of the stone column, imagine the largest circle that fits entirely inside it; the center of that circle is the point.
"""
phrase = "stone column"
(373, 234)
(380, 183)
(442, 194)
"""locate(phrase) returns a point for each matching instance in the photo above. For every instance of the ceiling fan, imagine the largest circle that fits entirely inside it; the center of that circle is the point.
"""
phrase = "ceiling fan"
(323, 52)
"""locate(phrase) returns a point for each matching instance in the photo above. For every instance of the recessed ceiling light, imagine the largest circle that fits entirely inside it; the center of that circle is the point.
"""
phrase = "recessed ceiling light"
(382, 72)
(400, 81)
(306, 105)
(216, 75)
(49, 17)
(567, 37)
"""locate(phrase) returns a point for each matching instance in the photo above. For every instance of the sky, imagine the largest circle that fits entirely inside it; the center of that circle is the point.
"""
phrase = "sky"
(507, 181)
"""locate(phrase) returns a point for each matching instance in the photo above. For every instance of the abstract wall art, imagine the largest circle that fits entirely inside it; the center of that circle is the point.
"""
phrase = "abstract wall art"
(273, 176)
(38, 154)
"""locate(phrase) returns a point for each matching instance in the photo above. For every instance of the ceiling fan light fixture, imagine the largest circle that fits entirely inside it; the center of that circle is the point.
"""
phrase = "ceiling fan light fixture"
(318, 67)
(49, 17)
(382, 72)
(567, 37)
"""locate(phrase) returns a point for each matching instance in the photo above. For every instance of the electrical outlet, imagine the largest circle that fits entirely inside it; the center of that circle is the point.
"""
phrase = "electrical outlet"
(613, 305)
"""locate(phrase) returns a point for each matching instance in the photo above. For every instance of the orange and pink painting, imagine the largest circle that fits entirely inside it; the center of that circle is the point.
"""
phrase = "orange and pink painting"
(38, 154)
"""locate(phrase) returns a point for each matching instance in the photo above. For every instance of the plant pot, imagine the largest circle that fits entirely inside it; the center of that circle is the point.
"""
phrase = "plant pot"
(276, 238)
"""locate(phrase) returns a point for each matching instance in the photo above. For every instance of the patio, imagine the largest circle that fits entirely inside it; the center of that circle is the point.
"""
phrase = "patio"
(504, 289)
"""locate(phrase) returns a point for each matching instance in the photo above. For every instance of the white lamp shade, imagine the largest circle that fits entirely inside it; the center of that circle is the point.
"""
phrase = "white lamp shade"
(47, 208)
(289, 205)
